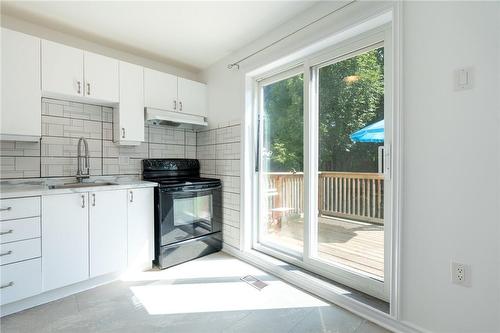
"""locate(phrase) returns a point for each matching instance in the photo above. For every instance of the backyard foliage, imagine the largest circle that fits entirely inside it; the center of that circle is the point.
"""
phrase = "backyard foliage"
(351, 96)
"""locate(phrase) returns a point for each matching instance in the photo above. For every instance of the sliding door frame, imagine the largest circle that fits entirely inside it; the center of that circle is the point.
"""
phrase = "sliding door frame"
(382, 34)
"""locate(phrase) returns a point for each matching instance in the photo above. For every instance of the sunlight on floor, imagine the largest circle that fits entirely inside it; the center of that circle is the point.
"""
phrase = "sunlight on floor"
(213, 285)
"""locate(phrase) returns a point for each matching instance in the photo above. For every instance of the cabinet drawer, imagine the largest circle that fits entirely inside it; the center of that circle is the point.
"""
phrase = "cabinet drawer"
(16, 230)
(17, 251)
(20, 280)
(19, 208)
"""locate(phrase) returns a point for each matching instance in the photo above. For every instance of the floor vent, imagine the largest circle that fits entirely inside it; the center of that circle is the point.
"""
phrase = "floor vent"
(254, 282)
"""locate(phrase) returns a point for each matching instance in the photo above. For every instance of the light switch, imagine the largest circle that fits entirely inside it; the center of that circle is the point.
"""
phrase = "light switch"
(463, 78)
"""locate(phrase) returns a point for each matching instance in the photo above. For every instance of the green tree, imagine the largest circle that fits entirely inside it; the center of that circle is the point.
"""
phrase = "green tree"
(351, 96)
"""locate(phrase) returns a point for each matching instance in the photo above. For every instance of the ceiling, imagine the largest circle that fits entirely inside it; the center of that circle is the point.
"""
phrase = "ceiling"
(192, 34)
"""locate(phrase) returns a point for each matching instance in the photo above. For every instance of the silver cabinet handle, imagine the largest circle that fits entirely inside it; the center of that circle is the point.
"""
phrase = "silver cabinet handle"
(5, 209)
(93, 199)
(123, 132)
(180, 105)
(5, 253)
(10, 284)
(88, 89)
(79, 89)
(175, 104)
(131, 196)
(6, 232)
(83, 201)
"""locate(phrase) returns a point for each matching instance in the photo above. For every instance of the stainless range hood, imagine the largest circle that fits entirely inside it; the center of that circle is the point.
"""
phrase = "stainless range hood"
(172, 118)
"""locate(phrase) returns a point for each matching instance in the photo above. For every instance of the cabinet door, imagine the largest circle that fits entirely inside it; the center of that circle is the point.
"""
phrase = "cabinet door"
(108, 232)
(65, 242)
(62, 69)
(160, 90)
(192, 97)
(101, 77)
(20, 86)
(129, 116)
(140, 228)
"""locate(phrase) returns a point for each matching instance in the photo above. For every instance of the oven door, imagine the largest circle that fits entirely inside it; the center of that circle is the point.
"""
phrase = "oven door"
(189, 213)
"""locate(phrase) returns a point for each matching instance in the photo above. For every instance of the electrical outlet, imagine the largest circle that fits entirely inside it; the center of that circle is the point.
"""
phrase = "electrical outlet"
(460, 274)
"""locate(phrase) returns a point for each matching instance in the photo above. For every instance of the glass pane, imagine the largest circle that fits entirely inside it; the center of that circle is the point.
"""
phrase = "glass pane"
(192, 210)
(281, 153)
(350, 180)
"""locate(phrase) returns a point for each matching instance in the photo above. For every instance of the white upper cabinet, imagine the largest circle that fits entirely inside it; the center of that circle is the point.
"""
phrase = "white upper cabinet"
(160, 90)
(101, 77)
(20, 89)
(62, 69)
(192, 97)
(108, 232)
(129, 115)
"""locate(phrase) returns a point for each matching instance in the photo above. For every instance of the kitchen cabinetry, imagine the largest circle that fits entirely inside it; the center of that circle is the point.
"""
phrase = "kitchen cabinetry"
(20, 87)
(71, 72)
(160, 90)
(108, 232)
(192, 97)
(171, 93)
(65, 239)
(140, 228)
(129, 115)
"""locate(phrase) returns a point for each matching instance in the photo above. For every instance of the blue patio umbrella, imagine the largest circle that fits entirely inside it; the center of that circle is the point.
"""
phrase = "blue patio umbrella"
(370, 133)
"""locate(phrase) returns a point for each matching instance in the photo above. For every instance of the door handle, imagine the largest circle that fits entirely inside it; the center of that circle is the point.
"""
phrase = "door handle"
(83, 201)
(180, 106)
(93, 199)
(123, 132)
(88, 89)
(175, 104)
(6, 232)
(79, 87)
(131, 196)
(380, 159)
(5, 209)
(10, 284)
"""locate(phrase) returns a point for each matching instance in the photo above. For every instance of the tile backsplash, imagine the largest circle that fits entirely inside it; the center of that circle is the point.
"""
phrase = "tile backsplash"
(64, 122)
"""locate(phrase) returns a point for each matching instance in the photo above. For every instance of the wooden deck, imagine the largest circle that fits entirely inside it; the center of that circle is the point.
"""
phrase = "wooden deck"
(354, 244)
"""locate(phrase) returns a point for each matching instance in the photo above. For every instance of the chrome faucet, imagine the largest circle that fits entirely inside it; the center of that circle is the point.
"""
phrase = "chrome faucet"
(83, 162)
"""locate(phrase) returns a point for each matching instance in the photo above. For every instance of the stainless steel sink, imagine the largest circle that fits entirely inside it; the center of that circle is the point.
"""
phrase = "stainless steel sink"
(79, 185)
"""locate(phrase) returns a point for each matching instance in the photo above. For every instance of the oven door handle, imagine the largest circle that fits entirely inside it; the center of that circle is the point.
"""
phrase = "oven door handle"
(203, 189)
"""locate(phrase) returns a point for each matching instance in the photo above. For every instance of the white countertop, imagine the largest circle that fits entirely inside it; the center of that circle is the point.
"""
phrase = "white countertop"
(35, 187)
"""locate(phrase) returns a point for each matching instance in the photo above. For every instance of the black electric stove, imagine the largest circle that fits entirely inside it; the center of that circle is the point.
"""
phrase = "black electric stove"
(188, 210)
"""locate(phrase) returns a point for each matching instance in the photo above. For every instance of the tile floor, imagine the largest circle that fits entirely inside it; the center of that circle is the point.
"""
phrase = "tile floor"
(204, 295)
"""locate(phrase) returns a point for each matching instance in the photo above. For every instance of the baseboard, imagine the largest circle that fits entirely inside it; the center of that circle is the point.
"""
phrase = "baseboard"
(56, 294)
(271, 265)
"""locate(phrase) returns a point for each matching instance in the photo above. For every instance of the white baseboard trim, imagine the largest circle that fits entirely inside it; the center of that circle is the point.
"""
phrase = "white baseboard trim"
(271, 266)
(56, 294)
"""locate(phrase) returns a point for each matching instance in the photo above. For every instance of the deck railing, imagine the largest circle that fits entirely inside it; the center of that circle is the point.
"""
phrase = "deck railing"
(350, 195)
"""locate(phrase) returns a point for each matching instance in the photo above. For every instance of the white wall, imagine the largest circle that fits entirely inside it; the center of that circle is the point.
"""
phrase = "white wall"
(451, 198)
(71, 40)
(451, 153)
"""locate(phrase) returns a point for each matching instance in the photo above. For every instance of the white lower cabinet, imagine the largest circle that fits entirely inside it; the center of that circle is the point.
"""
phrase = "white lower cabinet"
(108, 232)
(20, 280)
(65, 239)
(140, 228)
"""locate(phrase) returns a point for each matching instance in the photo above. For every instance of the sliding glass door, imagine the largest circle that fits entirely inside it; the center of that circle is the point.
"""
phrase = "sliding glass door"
(324, 131)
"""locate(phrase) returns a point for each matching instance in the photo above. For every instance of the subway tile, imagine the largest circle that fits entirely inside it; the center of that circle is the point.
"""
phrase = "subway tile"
(228, 134)
(231, 200)
(190, 151)
(117, 166)
(19, 167)
(67, 166)
(190, 137)
(227, 151)
(19, 148)
(227, 167)
(73, 128)
(205, 152)
(205, 138)
(231, 217)
(107, 114)
(166, 151)
(107, 131)
(230, 183)
(207, 166)
(67, 147)
(166, 135)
